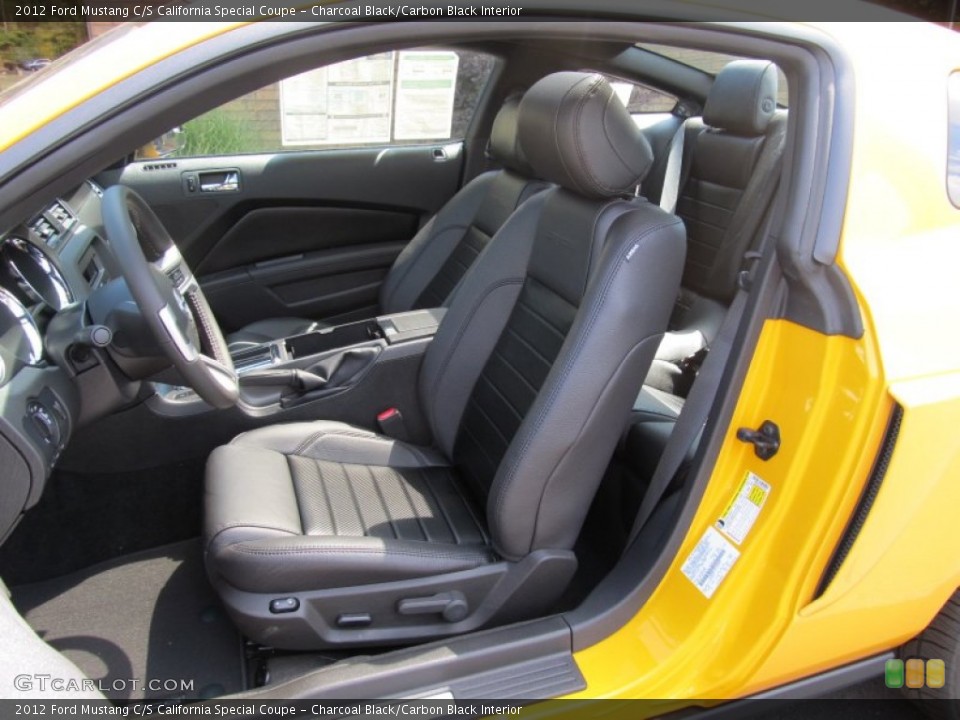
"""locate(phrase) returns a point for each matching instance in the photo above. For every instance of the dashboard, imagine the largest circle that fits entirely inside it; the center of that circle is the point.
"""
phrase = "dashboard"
(49, 266)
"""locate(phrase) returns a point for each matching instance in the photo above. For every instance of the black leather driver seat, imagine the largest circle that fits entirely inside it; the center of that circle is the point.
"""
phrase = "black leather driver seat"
(322, 533)
(434, 261)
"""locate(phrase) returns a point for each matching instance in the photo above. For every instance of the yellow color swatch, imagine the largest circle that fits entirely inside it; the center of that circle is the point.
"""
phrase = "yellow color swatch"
(914, 673)
(936, 673)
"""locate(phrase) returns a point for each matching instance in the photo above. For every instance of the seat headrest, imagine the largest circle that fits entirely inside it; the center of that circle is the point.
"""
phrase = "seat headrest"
(504, 138)
(743, 98)
(576, 133)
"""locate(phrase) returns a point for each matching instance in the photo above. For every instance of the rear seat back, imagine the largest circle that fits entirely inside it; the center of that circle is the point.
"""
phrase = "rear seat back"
(730, 162)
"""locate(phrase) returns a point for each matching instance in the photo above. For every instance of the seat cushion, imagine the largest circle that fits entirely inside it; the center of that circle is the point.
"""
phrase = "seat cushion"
(309, 506)
(264, 331)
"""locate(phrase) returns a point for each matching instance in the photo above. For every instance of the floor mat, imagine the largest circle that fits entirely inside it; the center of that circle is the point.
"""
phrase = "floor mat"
(145, 626)
(101, 517)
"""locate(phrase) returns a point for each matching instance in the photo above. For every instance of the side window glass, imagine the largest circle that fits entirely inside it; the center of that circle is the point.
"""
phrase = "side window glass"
(404, 97)
(645, 104)
(640, 99)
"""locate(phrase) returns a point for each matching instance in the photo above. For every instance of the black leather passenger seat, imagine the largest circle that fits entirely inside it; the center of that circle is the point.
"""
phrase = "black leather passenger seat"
(323, 534)
(432, 264)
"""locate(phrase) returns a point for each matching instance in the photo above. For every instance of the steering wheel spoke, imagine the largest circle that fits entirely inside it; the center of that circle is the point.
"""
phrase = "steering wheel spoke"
(184, 344)
(169, 296)
(226, 377)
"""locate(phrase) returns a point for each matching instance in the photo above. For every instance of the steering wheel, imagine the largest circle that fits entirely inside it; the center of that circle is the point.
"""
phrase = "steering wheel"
(169, 297)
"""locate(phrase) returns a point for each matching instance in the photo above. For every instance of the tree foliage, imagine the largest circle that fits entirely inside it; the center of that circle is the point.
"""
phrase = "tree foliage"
(24, 40)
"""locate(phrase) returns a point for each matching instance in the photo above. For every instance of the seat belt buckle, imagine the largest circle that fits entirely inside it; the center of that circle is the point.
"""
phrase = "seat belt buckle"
(692, 363)
(392, 425)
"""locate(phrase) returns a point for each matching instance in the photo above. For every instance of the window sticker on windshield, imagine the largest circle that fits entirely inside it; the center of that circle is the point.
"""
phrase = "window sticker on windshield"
(744, 509)
(710, 562)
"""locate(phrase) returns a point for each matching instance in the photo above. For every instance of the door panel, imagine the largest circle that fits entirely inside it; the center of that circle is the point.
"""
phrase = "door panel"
(309, 234)
(336, 285)
(277, 232)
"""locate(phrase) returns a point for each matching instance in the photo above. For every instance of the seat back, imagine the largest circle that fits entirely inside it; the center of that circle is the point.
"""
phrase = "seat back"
(731, 161)
(433, 263)
(532, 374)
(734, 149)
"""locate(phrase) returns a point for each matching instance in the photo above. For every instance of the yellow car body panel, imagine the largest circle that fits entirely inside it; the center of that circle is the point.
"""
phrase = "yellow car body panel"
(82, 74)
(831, 397)
(684, 645)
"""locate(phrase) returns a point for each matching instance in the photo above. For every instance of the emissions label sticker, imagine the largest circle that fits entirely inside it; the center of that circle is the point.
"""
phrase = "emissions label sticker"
(744, 508)
(710, 562)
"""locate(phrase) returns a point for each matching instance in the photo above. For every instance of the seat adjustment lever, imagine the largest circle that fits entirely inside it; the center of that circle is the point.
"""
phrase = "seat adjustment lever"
(451, 605)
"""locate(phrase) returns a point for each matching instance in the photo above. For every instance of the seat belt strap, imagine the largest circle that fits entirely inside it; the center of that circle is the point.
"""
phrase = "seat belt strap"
(693, 417)
(673, 172)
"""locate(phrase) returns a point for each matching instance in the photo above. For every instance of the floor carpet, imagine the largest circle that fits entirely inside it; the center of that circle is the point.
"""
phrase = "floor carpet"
(151, 617)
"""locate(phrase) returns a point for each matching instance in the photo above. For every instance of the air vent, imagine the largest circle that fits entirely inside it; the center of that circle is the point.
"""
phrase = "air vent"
(149, 167)
(51, 225)
(60, 213)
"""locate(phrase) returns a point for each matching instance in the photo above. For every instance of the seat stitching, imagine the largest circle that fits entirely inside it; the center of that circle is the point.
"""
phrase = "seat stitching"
(572, 92)
(296, 495)
(481, 446)
(353, 497)
(506, 401)
(383, 501)
(592, 178)
(532, 311)
(326, 498)
(440, 507)
(473, 516)
(412, 262)
(595, 242)
(315, 439)
(458, 334)
(507, 364)
(401, 481)
(299, 450)
(476, 404)
(220, 529)
(469, 554)
(526, 344)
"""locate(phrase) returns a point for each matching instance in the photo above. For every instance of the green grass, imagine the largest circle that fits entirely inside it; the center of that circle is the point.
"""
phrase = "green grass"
(216, 133)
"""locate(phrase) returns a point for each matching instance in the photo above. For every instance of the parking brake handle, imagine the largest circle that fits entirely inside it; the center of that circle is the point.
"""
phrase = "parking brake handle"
(298, 381)
(332, 372)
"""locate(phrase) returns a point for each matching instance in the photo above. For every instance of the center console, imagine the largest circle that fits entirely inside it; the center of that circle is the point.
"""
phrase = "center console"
(303, 369)
(387, 329)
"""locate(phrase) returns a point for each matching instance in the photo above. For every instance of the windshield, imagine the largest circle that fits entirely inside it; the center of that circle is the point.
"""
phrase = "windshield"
(34, 77)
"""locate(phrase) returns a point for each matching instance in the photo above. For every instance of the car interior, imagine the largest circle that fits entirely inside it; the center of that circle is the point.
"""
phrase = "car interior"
(379, 417)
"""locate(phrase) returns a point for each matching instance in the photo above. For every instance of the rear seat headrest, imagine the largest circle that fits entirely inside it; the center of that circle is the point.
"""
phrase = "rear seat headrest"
(504, 141)
(743, 98)
(577, 134)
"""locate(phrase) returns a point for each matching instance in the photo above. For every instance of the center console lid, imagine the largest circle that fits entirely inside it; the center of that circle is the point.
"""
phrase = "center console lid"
(413, 325)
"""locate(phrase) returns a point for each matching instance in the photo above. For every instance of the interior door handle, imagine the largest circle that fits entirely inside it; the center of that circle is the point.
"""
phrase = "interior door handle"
(220, 181)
